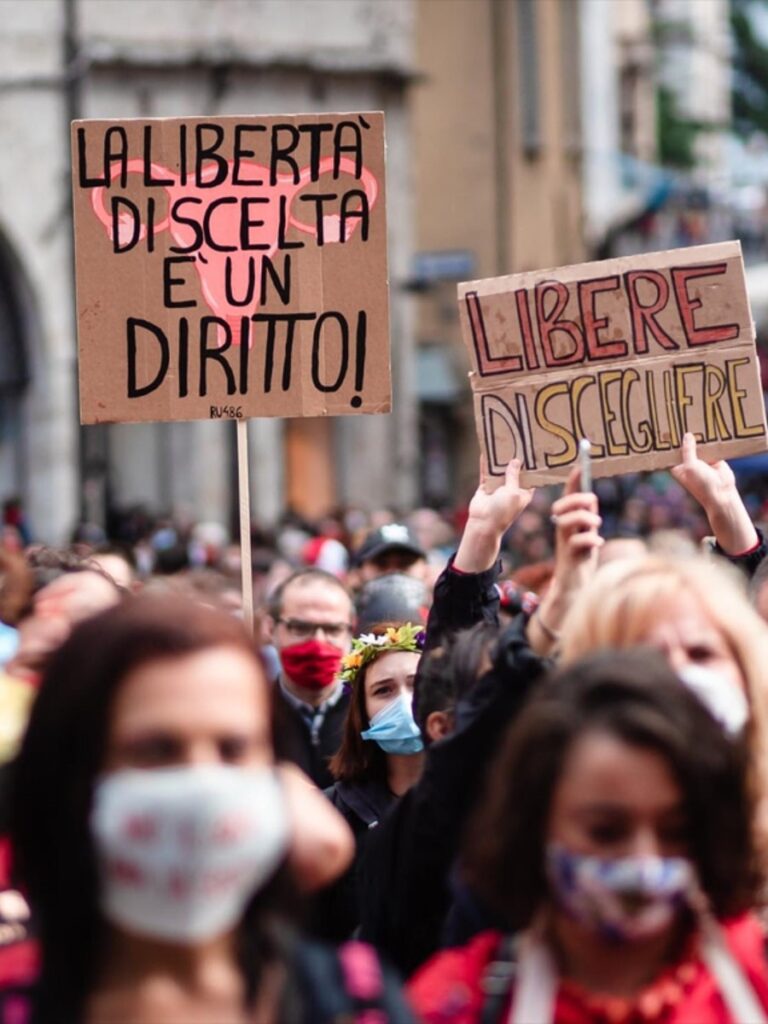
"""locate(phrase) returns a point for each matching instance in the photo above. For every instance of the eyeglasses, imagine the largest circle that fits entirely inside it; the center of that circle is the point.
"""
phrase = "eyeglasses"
(306, 630)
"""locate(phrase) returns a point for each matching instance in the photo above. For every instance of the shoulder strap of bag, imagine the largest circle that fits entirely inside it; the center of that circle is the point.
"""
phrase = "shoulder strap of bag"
(537, 983)
(497, 980)
(735, 987)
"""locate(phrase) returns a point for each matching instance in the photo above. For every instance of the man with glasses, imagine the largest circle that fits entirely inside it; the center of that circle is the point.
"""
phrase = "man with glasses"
(310, 622)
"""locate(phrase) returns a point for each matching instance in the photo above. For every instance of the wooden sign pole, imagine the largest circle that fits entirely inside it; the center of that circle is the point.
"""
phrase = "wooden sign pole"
(244, 494)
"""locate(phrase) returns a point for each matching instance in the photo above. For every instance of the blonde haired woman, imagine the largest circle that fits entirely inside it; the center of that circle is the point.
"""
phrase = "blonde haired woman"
(696, 612)
(694, 609)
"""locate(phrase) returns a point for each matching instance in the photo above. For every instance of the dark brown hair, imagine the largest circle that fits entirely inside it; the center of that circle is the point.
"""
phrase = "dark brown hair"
(358, 759)
(635, 696)
(448, 672)
(60, 760)
(48, 563)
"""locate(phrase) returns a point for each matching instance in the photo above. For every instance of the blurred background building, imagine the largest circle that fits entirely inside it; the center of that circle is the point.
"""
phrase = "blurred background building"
(63, 59)
(521, 134)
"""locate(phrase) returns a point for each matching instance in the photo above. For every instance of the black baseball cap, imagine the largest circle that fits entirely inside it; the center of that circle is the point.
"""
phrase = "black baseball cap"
(391, 537)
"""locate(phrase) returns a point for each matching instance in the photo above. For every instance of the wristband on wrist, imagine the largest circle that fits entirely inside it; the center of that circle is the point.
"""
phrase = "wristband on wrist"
(749, 551)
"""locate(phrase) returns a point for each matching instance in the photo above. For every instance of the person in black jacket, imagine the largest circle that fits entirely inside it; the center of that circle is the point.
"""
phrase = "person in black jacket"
(404, 875)
(381, 753)
(310, 622)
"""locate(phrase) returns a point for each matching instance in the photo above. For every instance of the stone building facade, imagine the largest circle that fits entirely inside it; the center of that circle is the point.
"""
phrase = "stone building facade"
(64, 59)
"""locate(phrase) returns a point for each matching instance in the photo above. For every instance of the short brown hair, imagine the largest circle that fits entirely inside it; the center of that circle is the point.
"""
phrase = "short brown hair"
(301, 576)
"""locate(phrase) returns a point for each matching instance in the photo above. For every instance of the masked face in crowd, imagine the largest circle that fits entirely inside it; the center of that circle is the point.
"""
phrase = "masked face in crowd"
(188, 817)
(389, 676)
(313, 633)
(686, 635)
(388, 699)
(617, 844)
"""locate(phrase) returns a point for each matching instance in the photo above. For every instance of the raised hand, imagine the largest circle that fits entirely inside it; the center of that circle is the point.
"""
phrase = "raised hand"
(713, 486)
(491, 513)
(577, 541)
(708, 482)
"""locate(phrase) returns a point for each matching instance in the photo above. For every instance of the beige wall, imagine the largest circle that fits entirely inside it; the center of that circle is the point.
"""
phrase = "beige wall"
(474, 186)
(635, 50)
(545, 189)
(453, 118)
(470, 87)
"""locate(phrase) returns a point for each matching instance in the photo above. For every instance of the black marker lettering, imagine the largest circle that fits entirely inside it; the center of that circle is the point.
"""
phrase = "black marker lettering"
(215, 353)
(133, 324)
(171, 282)
(319, 343)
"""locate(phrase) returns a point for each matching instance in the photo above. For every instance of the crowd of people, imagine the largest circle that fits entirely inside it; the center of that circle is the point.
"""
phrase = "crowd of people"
(507, 768)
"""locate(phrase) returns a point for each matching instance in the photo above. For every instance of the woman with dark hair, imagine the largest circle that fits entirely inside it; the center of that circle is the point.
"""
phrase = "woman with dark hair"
(616, 843)
(157, 839)
(381, 746)
(381, 751)
(447, 673)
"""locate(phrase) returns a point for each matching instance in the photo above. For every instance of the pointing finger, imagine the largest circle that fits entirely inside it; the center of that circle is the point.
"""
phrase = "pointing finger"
(512, 474)
(573, 482)
(689, 448)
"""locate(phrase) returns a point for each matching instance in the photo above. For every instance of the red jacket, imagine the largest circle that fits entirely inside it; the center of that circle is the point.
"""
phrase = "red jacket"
(447, 990)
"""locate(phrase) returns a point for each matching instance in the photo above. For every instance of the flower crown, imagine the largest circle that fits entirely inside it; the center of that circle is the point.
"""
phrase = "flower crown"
(368, 646)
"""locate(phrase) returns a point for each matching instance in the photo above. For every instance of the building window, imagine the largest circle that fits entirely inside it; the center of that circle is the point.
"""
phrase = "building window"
(570, 77)
(14, 370)
(528, 63)
(14, 373)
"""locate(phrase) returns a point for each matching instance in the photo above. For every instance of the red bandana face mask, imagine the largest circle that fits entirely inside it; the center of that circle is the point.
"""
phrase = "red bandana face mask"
(313, 664)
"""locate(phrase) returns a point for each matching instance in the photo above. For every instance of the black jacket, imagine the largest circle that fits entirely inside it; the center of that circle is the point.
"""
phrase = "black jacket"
(404, 873)
(296, 742)
(749, 561)
(336, 913)
(363, 804)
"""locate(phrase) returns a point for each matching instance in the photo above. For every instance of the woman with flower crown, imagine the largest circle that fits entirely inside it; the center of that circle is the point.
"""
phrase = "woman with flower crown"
(381, 753)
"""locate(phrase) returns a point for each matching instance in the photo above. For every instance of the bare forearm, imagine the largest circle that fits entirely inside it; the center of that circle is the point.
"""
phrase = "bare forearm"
(479, 547)
(732, 526)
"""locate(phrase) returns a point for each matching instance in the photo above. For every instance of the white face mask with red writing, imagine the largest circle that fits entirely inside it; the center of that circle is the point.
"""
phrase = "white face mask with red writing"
(182, 850)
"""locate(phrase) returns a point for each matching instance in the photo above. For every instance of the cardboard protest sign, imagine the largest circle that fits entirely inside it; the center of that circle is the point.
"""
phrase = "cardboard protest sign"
(630, 353)
(231, 267)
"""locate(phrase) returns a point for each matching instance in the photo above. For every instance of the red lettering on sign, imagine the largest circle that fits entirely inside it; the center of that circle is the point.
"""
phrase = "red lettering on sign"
(681, 276)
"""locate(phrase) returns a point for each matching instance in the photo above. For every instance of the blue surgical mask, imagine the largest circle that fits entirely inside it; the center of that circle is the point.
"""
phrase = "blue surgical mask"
(394, 729)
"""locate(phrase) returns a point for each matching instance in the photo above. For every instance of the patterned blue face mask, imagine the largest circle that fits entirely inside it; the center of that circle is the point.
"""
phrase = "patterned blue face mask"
(394, 729)
(623, 899)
